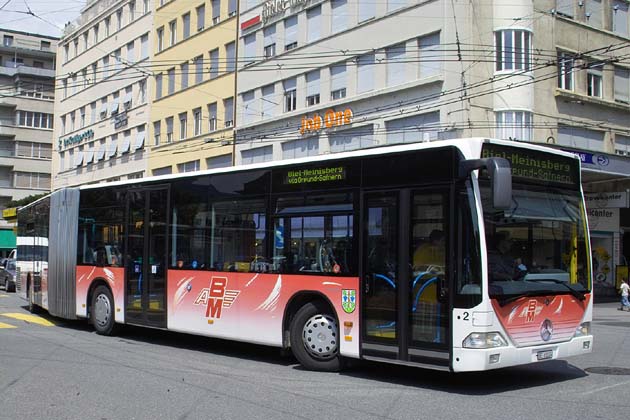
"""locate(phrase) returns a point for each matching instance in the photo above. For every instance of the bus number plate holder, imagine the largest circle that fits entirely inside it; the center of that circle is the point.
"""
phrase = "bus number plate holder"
(544, 355)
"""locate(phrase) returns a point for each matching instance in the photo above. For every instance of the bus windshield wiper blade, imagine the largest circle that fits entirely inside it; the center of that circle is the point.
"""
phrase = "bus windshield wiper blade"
(511, 298)
(576, 293)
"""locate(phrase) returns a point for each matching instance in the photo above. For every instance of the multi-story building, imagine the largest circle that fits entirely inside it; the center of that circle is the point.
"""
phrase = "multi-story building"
(102, 101)
(27, 76)
(326, 76)
(194, 62)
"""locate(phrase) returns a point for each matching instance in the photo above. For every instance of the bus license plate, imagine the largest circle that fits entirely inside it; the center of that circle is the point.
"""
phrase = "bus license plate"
(544, 355)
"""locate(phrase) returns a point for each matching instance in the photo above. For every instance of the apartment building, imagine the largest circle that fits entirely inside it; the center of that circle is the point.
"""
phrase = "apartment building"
(102, 105)
(27, 76)
(319, 77)
(192, 108)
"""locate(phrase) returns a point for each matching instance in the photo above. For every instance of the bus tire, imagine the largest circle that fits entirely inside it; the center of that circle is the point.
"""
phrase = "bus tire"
(32, 307)
(102, 311)
(315, 338)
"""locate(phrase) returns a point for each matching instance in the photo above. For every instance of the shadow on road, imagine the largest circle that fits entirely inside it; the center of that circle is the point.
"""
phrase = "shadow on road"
(476, 383)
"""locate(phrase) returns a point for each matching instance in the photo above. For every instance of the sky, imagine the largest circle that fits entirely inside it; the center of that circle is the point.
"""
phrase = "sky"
(49, 18)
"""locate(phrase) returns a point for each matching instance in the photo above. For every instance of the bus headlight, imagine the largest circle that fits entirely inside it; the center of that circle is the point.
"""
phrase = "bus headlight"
(484, 340)
(583, 329)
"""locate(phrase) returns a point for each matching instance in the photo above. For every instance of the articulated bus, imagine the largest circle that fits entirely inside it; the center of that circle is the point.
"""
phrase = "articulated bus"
(461, 255)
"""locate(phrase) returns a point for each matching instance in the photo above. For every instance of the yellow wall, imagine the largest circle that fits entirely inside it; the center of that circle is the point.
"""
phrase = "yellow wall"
(199, 43)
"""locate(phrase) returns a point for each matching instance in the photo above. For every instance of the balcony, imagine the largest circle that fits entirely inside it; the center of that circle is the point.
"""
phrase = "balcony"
(26, 71)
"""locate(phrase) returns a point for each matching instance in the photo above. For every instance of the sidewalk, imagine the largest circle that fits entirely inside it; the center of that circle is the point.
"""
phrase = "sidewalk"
(609, 309)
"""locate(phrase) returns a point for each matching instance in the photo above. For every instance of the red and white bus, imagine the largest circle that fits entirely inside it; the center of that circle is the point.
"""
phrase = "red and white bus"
(462, 255)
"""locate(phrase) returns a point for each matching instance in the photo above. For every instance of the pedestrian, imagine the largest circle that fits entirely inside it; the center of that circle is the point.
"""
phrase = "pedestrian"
(624, 289)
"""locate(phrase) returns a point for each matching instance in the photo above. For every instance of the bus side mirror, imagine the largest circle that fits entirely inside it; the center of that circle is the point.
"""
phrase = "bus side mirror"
(500, 174)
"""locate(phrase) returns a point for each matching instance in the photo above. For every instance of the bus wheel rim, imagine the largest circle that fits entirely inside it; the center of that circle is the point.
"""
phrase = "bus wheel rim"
(102, 310)
(320, 336)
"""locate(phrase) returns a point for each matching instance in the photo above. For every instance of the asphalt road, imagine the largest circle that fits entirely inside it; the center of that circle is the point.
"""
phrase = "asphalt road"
(55, 369)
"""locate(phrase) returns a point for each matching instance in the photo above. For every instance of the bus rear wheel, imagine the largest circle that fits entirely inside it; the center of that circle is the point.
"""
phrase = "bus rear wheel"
(315, 338)
(102, 311)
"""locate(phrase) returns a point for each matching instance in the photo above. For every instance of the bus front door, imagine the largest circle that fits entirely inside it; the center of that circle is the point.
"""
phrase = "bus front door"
(405, 310)
(146, 257)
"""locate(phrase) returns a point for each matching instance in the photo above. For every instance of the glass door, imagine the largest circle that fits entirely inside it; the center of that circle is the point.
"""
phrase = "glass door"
(145, 263)
(405, 275)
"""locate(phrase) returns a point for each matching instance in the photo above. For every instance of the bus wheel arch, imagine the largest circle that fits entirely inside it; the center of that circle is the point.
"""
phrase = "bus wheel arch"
(312, 328)
(101, 307)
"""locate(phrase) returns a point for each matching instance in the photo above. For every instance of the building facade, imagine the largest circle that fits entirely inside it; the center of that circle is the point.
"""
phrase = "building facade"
(326, 76)
(27, 77)
(102, 105)
(192, 110)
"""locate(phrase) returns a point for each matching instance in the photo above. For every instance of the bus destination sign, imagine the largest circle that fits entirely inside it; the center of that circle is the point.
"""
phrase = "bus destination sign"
(315, 175)
(534, 166)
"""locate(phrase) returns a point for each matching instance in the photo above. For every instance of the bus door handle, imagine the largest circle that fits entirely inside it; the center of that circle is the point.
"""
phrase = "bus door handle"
(366, 285)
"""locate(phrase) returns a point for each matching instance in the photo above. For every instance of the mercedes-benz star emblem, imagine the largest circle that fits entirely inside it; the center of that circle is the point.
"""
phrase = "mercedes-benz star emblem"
(546, 330)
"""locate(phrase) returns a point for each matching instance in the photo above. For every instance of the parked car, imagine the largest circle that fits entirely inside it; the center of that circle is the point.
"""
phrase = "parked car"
(7, 274)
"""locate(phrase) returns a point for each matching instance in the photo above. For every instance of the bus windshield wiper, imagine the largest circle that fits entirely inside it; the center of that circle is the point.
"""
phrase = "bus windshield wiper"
(511, 298)
(576, 293)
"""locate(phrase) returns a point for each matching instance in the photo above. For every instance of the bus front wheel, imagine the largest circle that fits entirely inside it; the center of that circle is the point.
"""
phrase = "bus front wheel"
(102, 311)
(315, 338)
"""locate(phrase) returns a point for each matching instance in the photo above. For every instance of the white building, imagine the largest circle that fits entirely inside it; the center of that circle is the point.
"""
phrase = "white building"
(102, 107)
(325, 76)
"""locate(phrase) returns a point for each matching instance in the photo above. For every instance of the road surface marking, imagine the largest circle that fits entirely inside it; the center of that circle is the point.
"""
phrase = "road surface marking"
(3, 325)
(31, 319)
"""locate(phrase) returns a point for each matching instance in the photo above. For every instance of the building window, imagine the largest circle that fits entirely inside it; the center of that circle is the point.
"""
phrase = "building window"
(157, 128)
(41, 120)
(119, 19)
(249, 50)
(580, 138)
(186, 23)
(144, 46)
(395, 4)
(514, 125)
(257, 155)
(365, 73)
(158, 86)
(198, 69)
(622, 85)
(269, 104)
(212, 117)
(131, 55)
(172, 27)
(191, 166)
(565, 8)
(85, 41)
(105, 67)
(513, 50)
(183, 125)
(7, 40)
(396, 57)
(269, 34)
(107, 26)
(171, 81)
(290, 95)
(249, 107)
(169, 129)
(566, 63)
(142, 91)
(184, 75)
(593, 13)
(300, 148)
(367, 10)
(314, 24)
(95, 30)
(290, 33)
(223, 161)
(594, 80)
(620, 17)
(339, 11)
(216, 11)
(622, 145)
(231, 8)
(228, 105)
(230, 56)
(214, 63)
(338, 81)
(197, 121)
(201, 18)
(312, 88)
(160, 39)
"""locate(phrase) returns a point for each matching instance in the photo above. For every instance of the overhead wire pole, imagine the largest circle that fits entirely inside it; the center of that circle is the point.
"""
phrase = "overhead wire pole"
(235, 100)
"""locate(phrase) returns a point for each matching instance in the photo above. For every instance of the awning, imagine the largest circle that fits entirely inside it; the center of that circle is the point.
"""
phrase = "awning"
(114, 108)
(89, 155)
(113, 147)
(100, 154)
(127, 100)
(124, 148)
(139, 140)
(78, 158)
(7, 239)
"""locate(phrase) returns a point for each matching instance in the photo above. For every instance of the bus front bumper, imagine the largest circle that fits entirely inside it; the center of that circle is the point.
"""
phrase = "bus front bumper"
(470, 360)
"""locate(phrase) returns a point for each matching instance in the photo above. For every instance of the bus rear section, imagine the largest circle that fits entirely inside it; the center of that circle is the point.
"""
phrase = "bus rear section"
(537, 269)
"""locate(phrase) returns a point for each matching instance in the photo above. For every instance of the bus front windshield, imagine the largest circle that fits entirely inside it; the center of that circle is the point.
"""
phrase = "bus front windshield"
(538, 246)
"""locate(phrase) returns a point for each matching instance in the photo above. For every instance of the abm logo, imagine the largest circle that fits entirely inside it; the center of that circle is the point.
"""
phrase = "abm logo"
(216, 297)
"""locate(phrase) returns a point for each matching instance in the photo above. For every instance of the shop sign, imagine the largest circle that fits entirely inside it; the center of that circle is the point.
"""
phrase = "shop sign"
(330, 119)
(9, 213)
(120, 120)
(78, 138)
(603, 219)
(602, 162)
(606, 200)
(272, 8)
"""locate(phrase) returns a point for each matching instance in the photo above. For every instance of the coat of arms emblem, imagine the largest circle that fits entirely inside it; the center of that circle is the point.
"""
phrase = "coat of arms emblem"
(348, 300)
